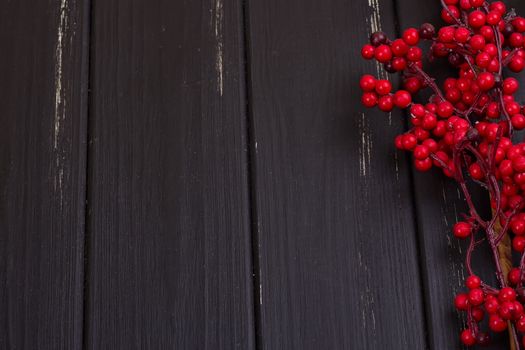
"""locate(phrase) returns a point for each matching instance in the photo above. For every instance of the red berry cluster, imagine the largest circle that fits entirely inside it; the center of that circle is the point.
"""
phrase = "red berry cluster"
(465, 129)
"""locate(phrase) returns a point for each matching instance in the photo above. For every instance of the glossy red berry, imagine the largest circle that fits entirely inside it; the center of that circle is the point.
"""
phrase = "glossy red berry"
(518, 244)
(383, 53)
(468, 338)
(497, 324)
(461, 302)
(369, 99)
(486, 81)
(368, 51)
(409, 141)
(476, 172)
(476, 297)
(491, 305)
(520, 324)
(367, 83)
(476, 19)
(402, 99)
(383, 87)
(510, 86)
(423, 165)
(473, 282)
(411, 36)
(421, 152)
(462, 229)
(507, 294)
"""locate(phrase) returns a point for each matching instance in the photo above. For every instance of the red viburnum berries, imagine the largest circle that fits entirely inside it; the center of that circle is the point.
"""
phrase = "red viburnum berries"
(462, 229)
(464, 129)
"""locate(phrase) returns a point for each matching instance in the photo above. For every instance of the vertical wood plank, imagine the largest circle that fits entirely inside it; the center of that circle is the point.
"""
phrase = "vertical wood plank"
(169, 231)
(43, 109)
(335, 225)
(439, 205)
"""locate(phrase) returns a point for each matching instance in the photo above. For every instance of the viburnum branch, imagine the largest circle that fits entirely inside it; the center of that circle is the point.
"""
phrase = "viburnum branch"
(465, 130)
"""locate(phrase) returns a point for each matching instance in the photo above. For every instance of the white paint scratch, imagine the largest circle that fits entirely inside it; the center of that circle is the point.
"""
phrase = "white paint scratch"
(219, 57)
(60, 101)
(374, 25)
(365, 147)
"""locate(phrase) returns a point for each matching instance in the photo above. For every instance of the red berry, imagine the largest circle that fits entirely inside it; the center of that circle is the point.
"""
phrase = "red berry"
(477, 42)
(483, 60)
(368, 52)
(516, 64)
(462, 229)
(519, 24)
(398, 142)
(498, 6)
(446, 34)
(409, 141)
(476, 19)
(386, 103)
(514, 276)
(518, 163)
(517, 226)
(383, 87)
(412, 84)
(518, 244)
(421, 152)
(476, 172)
(510, 86)
(507, 294)
(367, 83)
(520, 324)
(411, 36)
(448, 16)
(476, 3)
(497, 324)
(486, 81)
(477, 313)
(399, 47)
(516, 40)
(461, 302)
(382, 53)
(518, 121)
(491, 305)
(468, 338)
(399, 64)
(369, 99)
(462, 35)
(445, 109)
(423, 165)
(493, 17)
(473, 282)
(402, 99)
(476, 297)
(414, 54)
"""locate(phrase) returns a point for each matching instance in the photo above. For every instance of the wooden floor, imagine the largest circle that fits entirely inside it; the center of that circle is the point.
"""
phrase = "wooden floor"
(200, 175)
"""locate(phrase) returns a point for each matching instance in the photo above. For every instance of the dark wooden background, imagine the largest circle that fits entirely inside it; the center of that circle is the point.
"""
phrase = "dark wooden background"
(200, 175)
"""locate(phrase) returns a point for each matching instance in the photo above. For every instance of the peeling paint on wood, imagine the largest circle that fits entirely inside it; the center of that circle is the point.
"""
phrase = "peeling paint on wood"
(217, 20)
(60, 100)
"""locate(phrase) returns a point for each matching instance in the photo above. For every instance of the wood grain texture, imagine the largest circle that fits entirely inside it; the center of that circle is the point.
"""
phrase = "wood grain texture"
(439, 205)
(169, 230)
(43, 109)
(337, 241)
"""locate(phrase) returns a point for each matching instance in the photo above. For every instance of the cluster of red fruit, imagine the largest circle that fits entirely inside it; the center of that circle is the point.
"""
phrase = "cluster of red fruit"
(465, 130)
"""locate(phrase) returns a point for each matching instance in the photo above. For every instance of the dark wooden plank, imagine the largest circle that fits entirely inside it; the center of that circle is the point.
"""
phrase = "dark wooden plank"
(439, 205)
(337, 241)
(43, 112)
(169, 231)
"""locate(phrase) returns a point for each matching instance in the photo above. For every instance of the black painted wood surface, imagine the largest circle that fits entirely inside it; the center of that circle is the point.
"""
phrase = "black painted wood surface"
(335, 225)
(43, 118)
(169, 234)
(200, 175)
